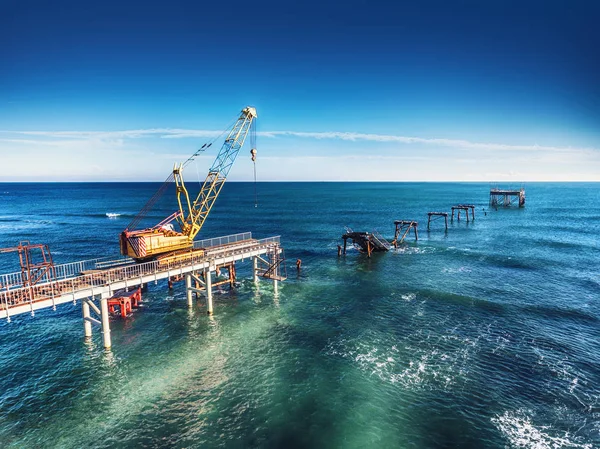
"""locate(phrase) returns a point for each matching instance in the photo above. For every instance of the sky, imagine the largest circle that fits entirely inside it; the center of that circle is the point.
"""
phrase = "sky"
(495, 91)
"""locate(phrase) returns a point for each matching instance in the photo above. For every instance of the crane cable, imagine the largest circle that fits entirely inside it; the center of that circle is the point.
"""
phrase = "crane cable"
(209, 143)
(148, 206)
(253, 154)
(159, 193)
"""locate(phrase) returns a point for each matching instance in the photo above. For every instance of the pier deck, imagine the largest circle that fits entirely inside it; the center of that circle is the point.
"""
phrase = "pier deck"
(506, 198)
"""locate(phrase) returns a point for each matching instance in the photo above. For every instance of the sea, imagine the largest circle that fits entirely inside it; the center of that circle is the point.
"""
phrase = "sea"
(486, 335)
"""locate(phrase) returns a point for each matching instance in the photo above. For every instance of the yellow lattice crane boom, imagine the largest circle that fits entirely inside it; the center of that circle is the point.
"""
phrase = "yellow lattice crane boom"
(163, 239)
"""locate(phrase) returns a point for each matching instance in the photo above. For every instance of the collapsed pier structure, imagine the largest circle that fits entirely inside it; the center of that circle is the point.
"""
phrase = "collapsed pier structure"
(372, 242)
(506, 198)
(403, 228)
(436, 216)
(366, 242)
(463, 207)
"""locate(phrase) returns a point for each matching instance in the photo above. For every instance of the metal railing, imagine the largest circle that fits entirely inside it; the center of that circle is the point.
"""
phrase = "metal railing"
(276, 239)
(218, 241)
(114, 262)
(66, 270)
(381, 240)
(70, 286)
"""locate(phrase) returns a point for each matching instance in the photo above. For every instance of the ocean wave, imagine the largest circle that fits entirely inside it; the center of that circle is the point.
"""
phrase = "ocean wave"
(558, 244)
(456, 298)
(500, 260)
(112, 215)
(553, 312)
(462, 269)
(519, 430)
(23, 224)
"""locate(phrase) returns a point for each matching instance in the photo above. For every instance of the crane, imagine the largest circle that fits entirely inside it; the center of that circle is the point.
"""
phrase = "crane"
(163, 239)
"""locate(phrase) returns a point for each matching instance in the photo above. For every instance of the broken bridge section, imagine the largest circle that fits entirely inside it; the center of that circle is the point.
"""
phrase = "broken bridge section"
(366, 242)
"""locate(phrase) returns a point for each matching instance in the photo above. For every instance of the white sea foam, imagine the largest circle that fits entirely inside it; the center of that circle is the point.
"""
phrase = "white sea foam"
(112, 215)
(409, 296)
(522, 433)
(413, 366)
(462, 269)
(413, 250)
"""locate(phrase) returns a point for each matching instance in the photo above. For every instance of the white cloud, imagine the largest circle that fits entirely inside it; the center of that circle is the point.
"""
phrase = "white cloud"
(125, 134)
(142, 154)
(454, 143)
(177, 133)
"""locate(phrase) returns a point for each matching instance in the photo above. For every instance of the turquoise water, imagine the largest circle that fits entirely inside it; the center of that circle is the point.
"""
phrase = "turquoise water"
(484, 336)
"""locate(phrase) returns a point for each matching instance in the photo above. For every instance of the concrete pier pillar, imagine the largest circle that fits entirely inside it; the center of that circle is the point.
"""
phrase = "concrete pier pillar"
(188, 289)
(275, 274)
(255, 269)
(87, 325)
(105, 323)
(209, 302)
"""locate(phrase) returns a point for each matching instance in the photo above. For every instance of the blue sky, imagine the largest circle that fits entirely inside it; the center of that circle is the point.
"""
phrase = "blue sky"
(402, 91)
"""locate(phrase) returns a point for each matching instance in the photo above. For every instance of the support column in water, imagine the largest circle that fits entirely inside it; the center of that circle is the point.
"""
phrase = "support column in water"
(87, 324)
(105, 323)
(208, 280)
(275, 273)
(188, 289)
(255, 269)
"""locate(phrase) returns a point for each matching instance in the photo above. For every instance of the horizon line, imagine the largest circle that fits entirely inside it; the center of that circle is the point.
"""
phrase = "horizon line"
(317, 181)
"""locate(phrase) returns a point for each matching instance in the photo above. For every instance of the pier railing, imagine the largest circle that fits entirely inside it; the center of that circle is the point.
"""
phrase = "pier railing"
(62, 286)
(65, 270)
(217, 241)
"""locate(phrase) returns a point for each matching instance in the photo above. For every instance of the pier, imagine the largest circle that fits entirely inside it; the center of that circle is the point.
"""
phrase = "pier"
(437, 215)
(95, 281)
(463, 207)
(403, 227)
(366, 242)
(507, 198)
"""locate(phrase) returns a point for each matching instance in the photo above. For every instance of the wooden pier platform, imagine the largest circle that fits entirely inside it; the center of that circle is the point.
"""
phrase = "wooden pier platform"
(506, 198)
